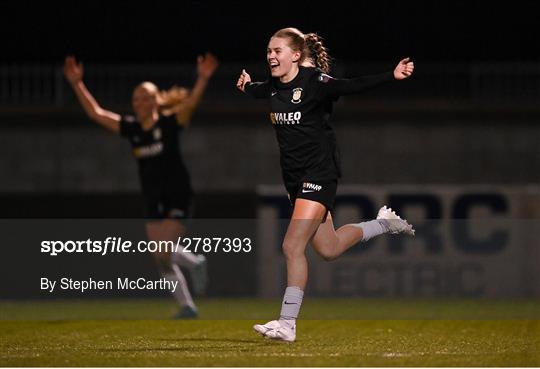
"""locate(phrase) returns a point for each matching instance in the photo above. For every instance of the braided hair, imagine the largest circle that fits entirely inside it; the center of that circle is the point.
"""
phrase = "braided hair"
(315, 49)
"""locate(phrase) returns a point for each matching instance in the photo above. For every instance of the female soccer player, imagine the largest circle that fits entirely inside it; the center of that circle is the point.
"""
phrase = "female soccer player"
(301, 101)
(166, 186)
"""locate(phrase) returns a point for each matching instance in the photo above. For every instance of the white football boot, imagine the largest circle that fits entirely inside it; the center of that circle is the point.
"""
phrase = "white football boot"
(265, 328)
(276, 331)
(394, 222)
(282, 334)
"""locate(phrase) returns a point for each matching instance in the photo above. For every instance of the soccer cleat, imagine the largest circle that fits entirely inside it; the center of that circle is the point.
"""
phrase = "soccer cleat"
(199, 276)
(394, 223)
(265, 328)
(276, 331)
(282, 334)
(187, 312)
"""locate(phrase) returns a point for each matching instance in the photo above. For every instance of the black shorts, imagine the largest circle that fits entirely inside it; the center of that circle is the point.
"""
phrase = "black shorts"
(321, 192)
(168, 204)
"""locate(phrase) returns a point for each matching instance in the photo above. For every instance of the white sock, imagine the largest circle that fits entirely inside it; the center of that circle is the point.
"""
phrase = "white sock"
(290, 307)
(181, 294)
(373, 228)
(186, 260)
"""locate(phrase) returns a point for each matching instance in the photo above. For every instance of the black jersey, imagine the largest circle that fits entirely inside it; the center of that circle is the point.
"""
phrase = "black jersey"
(300, 113)
(161, 168)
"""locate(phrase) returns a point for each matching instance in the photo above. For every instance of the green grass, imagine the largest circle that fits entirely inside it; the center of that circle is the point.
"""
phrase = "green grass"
(498, 334)
(239, 309)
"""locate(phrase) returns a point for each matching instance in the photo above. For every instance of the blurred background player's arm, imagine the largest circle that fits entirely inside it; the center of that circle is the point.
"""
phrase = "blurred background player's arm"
(74, 73)
(206, 66)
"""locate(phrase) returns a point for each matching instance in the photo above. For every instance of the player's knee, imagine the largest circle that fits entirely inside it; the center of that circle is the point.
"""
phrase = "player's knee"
(324, 249)
(291, 250)
(326, 254)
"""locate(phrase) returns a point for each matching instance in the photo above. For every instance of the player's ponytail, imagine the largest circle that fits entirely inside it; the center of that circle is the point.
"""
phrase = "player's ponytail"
(315, 49)
(168, 100)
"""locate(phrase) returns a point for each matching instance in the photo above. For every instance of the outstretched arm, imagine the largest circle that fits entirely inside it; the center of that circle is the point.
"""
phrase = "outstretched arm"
(340, 87)
(259, 90)
(206, 66)
(74, 72)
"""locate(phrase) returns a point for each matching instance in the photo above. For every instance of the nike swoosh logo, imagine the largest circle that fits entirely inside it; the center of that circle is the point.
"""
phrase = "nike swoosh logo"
(307, 191)
(290, 303)
(274, 93)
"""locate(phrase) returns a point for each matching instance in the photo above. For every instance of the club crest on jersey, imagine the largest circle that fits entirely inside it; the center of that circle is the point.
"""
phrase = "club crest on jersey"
(157, 134)
(297, 95)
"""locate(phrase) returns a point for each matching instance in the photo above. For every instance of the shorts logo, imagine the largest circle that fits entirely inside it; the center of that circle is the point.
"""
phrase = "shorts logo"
(310, 187)
(297, 95)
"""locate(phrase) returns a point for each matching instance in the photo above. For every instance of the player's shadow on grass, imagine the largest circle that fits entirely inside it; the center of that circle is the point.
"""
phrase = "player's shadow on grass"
(171, 349)
(257, 341)
(190, 349)
(225, 340)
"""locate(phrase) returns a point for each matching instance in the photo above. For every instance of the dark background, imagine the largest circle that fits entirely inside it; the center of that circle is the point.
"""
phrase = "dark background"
(476, 80)
(117, 31)
(470, 114)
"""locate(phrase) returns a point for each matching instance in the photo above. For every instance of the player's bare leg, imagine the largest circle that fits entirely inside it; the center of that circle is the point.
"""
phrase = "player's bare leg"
(331, 243)
(306, 218)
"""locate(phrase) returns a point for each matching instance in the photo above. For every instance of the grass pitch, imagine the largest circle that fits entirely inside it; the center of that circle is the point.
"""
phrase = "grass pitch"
(375, 333)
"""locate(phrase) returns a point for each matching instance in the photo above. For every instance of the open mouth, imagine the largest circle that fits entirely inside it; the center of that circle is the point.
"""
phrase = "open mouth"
(274, 65)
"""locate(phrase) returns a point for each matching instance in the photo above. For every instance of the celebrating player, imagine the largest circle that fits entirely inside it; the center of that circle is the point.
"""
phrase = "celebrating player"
(301, 100)
(166, 186)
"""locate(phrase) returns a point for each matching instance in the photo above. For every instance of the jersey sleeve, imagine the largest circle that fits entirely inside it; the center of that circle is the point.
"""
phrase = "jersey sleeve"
(127, 126)
(258, 90)
(332, 88)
